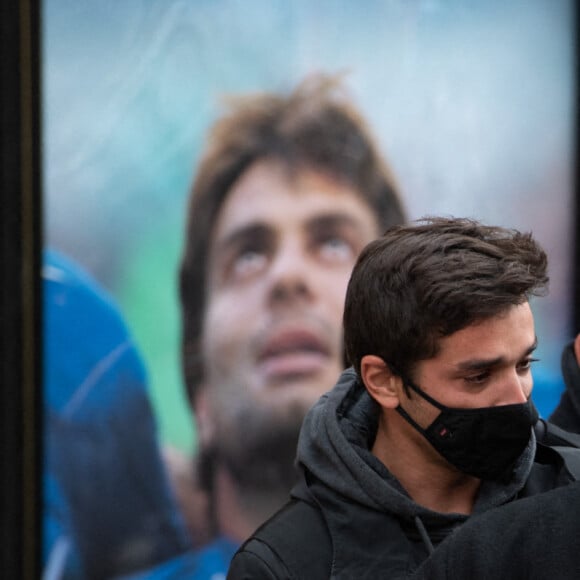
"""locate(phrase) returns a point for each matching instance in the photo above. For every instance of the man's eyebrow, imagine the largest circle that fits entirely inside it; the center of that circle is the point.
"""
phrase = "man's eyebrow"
(260, 231)
(332, 220)
(481, 364)
(240, 235)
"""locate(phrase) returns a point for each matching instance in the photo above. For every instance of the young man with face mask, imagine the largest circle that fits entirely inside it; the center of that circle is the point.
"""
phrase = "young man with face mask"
(434, 422)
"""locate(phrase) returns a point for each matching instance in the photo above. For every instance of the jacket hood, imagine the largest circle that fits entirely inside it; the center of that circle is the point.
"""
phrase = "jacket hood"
(334, 449)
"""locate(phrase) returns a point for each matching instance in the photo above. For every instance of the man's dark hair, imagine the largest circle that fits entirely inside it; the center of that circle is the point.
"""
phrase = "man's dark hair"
(420, 282)
(314, 127)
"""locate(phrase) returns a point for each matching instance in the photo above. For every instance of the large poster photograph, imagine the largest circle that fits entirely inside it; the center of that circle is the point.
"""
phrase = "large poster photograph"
(212, 171)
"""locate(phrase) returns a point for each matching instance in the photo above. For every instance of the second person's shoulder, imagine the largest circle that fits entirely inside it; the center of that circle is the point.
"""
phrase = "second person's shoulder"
(293, 543)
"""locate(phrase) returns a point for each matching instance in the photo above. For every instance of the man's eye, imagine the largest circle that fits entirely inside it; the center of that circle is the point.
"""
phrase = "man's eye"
(478, 379)
(336, 249)
(246, 264)
(526, 364)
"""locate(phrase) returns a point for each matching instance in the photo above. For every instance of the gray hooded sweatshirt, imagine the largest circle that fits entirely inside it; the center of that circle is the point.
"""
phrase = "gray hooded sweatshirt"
(365, 525)
(373, 522)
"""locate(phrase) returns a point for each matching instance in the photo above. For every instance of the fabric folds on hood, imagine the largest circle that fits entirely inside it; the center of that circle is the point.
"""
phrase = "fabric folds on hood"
(371, 518)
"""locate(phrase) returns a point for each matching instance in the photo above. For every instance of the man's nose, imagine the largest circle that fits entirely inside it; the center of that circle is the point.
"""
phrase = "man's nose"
(290, 274)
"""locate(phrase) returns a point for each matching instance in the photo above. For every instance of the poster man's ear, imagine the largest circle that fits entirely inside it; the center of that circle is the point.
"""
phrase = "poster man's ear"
(203, 417)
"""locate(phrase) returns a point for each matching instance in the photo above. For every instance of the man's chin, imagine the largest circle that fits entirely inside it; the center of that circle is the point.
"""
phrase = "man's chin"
(256, 435)
(259, 450)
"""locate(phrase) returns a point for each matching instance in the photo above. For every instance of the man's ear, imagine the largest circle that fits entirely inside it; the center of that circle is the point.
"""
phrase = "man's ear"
(381, 383)
(203, 416)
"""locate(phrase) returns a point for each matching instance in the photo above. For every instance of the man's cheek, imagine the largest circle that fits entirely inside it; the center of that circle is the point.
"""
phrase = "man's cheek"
(234, 307)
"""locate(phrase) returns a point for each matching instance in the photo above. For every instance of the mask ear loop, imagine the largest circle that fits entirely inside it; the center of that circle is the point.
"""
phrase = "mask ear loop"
(423, 394)
(407, 382)
(409, 419)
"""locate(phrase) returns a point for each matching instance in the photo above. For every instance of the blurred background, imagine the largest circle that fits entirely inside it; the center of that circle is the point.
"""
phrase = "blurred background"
(471, 102)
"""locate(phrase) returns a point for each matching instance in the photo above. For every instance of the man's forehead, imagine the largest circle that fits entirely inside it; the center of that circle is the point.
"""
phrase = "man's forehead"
(268, 195)
(485, 338)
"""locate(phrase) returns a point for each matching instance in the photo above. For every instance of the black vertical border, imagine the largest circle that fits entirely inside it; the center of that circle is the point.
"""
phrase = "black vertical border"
(20, 317)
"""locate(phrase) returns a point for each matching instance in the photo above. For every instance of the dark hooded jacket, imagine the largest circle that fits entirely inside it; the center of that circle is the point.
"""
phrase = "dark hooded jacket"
(493, 545)
(567, 413)
(349, 517)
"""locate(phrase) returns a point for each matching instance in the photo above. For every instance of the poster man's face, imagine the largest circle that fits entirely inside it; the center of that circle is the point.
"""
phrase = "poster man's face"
(282, 252)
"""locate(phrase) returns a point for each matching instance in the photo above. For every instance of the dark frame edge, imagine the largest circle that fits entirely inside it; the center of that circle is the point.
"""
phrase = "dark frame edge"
(21, 243)
(32, 351)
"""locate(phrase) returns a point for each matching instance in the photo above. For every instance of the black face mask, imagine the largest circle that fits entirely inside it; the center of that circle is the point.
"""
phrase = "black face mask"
(484, 442)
